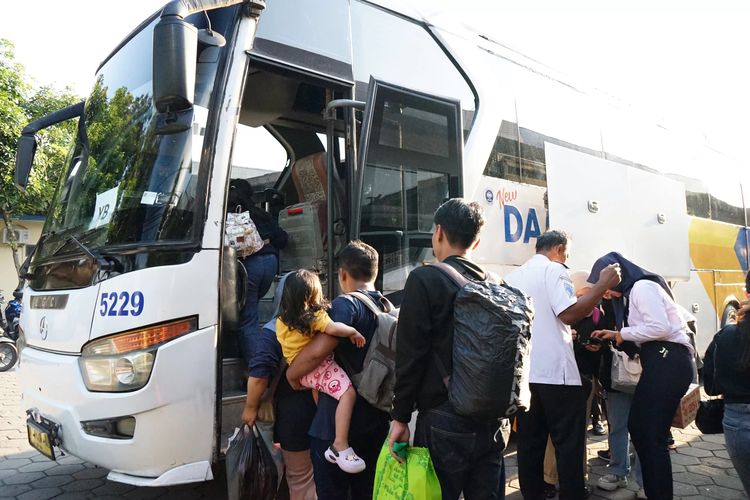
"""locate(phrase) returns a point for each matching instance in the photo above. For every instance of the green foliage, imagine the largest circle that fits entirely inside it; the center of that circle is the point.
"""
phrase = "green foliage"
(20, 104)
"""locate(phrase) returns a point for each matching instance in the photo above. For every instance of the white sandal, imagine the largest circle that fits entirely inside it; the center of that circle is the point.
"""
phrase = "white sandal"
(347, 460)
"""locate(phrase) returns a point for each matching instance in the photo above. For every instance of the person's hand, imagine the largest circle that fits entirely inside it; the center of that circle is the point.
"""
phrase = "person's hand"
(294, 383)
(610, 276)
(358, 340)
(399, 433)
(608, 335)
(744, 308)
(593, 347)
(574, 334)
(249, 414)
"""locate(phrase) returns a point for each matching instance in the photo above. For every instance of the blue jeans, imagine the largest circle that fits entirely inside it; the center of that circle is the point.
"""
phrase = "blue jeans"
(737, 436)
(331, 483)
(261, 269)
(618, 411)
(467, 454)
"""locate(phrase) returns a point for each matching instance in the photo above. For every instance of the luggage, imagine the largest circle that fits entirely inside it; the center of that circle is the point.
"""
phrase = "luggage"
(378, 376)
(491, 347)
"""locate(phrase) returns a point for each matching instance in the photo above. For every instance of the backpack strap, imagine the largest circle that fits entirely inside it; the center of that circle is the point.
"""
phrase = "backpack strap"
(461, 281)
(370, 303)
(450, 271)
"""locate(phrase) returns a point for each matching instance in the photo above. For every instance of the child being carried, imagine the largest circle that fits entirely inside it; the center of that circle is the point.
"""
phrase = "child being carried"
(303, 315)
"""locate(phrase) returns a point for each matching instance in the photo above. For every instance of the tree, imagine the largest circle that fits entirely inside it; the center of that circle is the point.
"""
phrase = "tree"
(20, 104)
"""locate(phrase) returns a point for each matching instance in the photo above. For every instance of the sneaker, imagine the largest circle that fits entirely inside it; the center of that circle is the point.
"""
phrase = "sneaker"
(604, 455)
(347, 460)
(610, 482)
(587, 491)
(598, 429)
(550, 490)
(641, 495)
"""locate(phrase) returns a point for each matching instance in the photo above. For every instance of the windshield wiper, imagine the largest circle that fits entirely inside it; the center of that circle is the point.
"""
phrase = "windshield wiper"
(23, 270)
(105, 262)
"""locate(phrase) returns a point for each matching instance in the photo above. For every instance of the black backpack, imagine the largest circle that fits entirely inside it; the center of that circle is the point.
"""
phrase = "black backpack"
(491, 346)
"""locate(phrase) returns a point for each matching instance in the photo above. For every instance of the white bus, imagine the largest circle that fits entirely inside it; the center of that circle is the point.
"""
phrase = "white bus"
(351, 119)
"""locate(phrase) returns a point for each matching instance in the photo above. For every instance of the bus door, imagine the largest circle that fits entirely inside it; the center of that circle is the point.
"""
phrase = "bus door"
(409, 163)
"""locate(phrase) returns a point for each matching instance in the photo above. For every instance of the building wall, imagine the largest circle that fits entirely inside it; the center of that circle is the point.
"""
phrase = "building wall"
(8, 276)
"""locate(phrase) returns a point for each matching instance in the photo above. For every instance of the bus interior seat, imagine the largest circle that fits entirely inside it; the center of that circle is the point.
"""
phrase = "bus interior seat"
(309, 177)
(305, 222)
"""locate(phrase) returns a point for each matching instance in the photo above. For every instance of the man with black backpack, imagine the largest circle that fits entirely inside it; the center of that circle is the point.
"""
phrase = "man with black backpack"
(465, 444)
(558, 406)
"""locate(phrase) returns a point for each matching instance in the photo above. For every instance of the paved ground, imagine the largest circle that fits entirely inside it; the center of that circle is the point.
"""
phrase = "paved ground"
(701, 467)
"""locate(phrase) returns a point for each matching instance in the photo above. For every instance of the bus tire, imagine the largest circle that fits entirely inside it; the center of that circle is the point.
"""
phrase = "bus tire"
(730, 315)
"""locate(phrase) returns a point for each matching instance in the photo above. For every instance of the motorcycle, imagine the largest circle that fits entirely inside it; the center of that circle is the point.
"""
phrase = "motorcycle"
(9, 324)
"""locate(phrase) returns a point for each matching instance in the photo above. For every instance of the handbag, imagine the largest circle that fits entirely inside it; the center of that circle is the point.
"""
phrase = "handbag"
(626, 372)
(240, 232)
(710, 416)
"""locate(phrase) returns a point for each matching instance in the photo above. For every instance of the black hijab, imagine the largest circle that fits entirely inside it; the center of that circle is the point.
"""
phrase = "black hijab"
(630, 274)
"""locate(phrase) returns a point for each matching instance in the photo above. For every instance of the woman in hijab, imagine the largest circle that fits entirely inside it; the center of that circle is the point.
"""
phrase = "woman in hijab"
(645, 313)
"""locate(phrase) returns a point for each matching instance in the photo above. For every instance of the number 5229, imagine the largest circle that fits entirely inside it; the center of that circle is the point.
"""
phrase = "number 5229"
(121, 304)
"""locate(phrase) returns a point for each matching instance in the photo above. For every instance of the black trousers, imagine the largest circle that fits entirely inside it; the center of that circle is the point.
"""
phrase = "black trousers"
(557, 411)
(667, 373)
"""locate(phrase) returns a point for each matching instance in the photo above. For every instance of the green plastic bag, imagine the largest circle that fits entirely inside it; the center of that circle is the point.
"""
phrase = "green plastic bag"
(415, 480)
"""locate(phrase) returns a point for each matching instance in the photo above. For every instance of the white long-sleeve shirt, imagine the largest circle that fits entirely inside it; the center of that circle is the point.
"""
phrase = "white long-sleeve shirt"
(653, 315)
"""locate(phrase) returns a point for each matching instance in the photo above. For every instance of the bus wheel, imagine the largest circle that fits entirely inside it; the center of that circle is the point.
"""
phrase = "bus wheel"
(730, 315)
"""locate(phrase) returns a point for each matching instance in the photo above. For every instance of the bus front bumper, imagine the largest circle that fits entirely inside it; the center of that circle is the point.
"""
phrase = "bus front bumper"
(174, 411)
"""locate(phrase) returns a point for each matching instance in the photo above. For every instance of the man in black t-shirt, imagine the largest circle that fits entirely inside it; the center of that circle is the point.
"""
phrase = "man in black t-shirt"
(467, 453)
(369, 426)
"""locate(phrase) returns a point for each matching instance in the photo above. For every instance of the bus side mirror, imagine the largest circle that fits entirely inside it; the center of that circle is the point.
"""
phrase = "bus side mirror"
(24, 159)
(174, 64)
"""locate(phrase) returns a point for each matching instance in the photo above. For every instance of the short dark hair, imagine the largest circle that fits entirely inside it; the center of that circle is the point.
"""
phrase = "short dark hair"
(360, 260)
(550, 239)
(460, 220)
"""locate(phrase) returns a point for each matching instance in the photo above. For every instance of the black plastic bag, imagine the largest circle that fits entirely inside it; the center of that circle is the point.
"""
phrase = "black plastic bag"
(251, 471)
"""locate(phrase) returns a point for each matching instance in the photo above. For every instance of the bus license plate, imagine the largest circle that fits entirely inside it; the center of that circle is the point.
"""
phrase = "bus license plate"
(40, 438)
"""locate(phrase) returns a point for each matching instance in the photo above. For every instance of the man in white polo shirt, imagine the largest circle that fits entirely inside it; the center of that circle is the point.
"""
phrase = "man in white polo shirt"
(558, 406)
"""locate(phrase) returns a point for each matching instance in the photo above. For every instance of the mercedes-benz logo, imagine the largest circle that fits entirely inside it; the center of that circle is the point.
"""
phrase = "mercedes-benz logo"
(43, 328)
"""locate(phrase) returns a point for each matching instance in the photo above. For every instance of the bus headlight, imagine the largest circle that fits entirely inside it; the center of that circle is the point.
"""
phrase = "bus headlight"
(123, 362)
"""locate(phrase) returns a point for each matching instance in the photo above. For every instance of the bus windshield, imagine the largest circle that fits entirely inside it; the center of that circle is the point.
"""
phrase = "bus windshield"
(127, 182)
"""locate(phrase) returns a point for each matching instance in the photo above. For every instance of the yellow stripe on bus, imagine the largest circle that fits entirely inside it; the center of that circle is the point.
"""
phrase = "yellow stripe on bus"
(712, 245)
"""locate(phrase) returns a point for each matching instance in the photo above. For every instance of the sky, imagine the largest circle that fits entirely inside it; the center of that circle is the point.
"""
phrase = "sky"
(682, 62)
